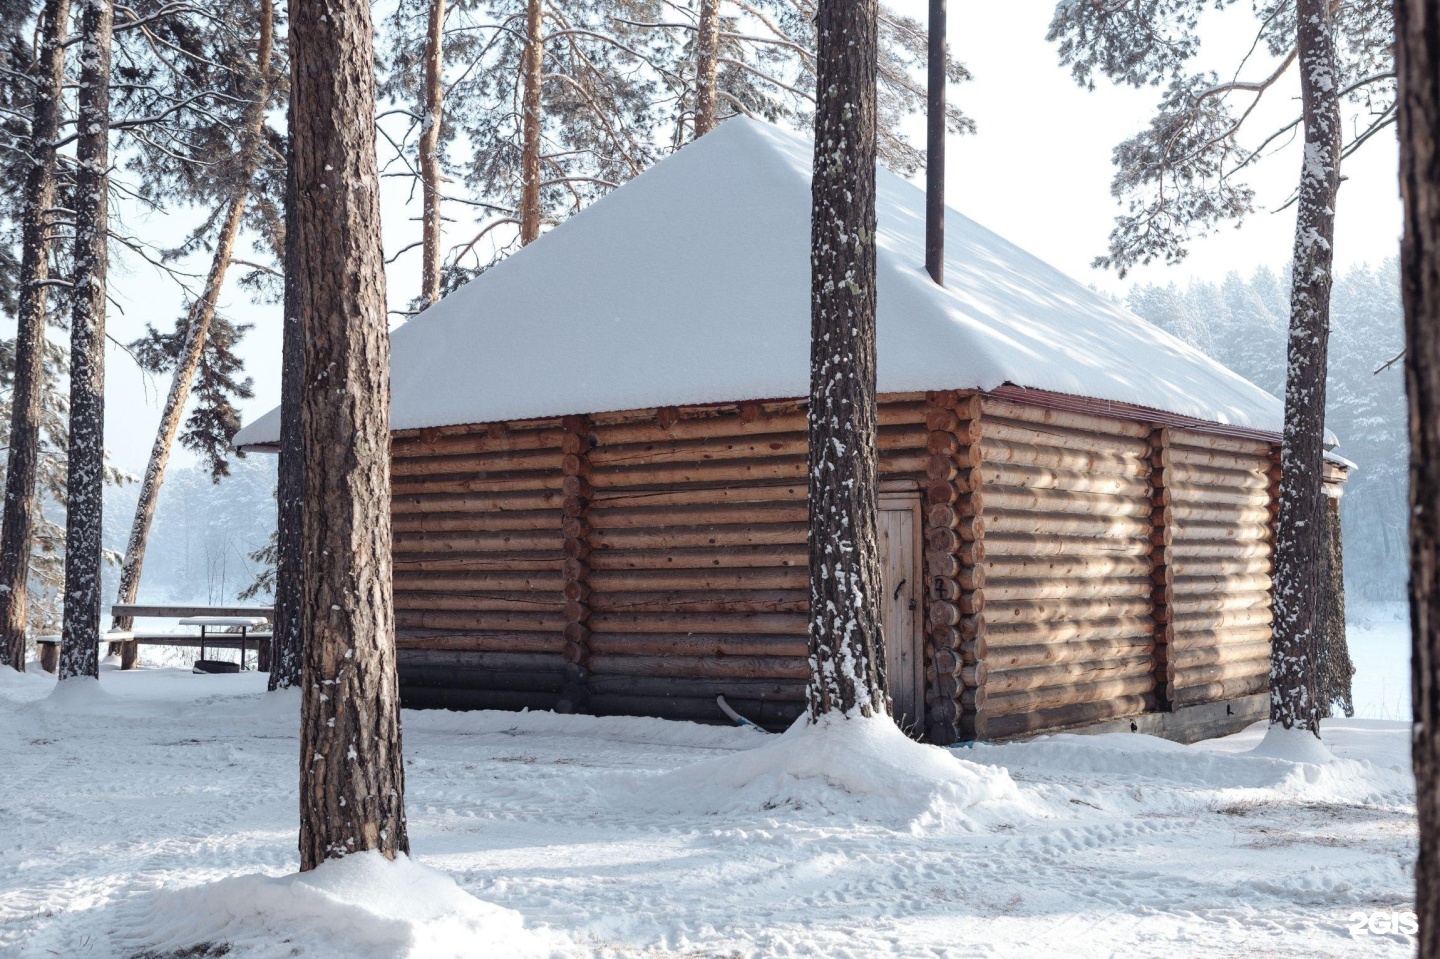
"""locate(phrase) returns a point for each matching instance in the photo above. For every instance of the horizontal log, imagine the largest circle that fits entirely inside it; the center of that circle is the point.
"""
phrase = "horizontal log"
(740, 493)
(478, 640)
(1059, 437)
(478, 562)
(1066, 524)
(1200, 567)
(701, 580)
(736, 601)
(1222, 619)
(1217, 691)
(1207, 585)
(1010, 545)
(1210, 532)
(549, 621)
(700, 428)
(1059, 502)
(1216, 495)
(1182, 550)
(795, 624)
(1049, 610)
(603, 516)
(709, 449)
(1213, 655)
(499, 541)
(1221, 603)
(483, 503)
(467, 659)
(702, 558)
(1205, 477)
(687, 537)
(1218, 459)
(697, 644)
(533, 482)
(1010, 590)
(1072, 481)
(1002, 568)
(1119, 629)
(1000, 451)
(420, 600)
(450, 522)
(1040, 416)
(1185, 511)
(1000, 658)
(1003, 681)
(703, 667)
(1069, 717)
(1031, 700)
(790, 468)
(1200, 640)
(1228, 444)
(503, 462)
(474, 439)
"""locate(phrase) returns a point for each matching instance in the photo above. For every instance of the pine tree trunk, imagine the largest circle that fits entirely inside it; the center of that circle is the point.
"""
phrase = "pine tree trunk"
(17, 529)
(1417, 56)
(352, 774)
(85, 476)
(288, 644)
(197, 328)
(1300, 529)
(846, 666)
(430, 154)
(707, 52)
(531, 66)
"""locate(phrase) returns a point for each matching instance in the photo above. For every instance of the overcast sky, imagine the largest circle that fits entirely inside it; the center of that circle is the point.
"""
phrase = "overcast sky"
(1038, 172)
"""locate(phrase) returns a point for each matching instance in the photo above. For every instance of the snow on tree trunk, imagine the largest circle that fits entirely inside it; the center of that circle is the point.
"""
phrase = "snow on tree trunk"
(530, 69)
(707, 52)
(17, 530)
(430, 154)
(846, 669)
(85, 476)
(197, 328)
(288, 645)
(1295, 699)
(1417, 35)
(352, 776)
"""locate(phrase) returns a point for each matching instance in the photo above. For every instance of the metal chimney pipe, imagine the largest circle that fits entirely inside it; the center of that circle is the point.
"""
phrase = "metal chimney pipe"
(935, 147)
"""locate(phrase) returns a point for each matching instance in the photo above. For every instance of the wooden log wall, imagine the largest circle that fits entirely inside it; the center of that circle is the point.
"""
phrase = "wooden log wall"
(1222, 494)
(697, 566)
(954, 570)
(479, 557)
(1069, 629)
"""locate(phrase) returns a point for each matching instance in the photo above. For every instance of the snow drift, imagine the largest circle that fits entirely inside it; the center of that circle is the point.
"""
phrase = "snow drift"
(363, 905)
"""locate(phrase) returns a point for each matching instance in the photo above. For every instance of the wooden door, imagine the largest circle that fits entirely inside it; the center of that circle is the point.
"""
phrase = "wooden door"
(900, 575)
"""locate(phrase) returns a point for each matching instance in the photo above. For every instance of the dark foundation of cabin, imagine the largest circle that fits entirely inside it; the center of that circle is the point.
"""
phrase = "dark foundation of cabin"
(1049, 563)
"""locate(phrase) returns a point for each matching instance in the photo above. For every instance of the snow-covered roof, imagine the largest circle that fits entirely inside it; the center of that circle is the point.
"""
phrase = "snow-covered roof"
(691, 284)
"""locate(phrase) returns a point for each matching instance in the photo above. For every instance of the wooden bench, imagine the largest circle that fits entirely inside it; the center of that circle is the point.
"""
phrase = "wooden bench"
(228, 623)
(49, 649)
(252, 619)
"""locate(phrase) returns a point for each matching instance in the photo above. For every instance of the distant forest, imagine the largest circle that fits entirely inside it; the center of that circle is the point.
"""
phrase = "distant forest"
(1242, 322)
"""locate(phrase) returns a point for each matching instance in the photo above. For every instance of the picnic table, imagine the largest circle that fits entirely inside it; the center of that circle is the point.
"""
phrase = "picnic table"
(250, 619)
(227, 623)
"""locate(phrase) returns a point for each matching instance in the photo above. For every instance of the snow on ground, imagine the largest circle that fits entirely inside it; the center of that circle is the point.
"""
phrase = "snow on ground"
(141, 816)
(1379, 638)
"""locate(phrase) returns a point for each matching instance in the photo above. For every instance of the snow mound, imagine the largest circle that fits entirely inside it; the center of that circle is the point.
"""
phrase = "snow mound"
(364, 904)
(1292, 745)
(619, 729)
(844, 764)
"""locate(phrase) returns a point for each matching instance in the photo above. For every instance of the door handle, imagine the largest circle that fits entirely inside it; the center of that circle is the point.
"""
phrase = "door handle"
(899, 586)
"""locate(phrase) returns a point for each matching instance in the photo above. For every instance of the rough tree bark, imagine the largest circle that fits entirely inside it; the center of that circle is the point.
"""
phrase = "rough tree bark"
(352, 774)
(85, 475)
(846, 664)
(935, 146)
(287, 656)
(430, 154)
(531, 66)
(1295, 699)
(17, 529)
(1417, 55)
(202, 311)
(707, 53)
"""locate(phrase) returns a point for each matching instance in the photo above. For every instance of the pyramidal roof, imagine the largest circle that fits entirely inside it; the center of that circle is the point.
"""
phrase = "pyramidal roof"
(691, 284)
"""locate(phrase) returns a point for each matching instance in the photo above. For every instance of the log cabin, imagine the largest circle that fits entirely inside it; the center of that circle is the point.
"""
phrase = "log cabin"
(599, 465)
